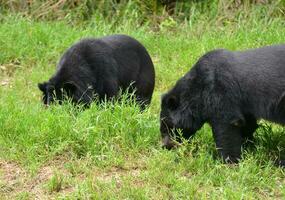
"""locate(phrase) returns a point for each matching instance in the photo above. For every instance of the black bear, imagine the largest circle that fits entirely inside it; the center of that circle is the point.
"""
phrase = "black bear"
(101, 67)
(230, 91)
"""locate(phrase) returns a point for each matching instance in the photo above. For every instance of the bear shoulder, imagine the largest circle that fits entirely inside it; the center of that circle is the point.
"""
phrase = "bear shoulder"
(215, 61)
(216, 58)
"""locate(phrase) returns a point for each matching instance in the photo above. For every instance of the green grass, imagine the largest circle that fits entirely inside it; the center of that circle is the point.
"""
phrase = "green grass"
(113, 151)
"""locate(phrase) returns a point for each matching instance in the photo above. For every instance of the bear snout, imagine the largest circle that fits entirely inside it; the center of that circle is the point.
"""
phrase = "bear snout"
(168, 143)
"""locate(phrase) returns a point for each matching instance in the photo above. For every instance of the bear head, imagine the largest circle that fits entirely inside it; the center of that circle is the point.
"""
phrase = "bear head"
(57, 93)
(180, 113)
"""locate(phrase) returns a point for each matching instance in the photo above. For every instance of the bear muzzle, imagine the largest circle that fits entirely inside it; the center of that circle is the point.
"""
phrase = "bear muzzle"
(168, 143)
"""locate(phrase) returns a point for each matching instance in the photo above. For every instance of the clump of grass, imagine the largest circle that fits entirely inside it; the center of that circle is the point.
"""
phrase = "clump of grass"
(103, 130)
(55, 183)
(23, 196)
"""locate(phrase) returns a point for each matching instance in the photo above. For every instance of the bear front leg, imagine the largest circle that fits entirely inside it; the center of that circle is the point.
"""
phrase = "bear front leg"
(228, 140)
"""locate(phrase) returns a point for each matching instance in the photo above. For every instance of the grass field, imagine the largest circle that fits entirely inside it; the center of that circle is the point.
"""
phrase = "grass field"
(113, 151)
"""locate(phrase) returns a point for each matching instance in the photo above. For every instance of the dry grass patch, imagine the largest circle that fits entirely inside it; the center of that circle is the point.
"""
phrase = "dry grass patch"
(48, 181)
(12, 177)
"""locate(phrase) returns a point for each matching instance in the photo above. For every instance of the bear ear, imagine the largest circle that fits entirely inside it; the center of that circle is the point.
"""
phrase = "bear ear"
(42, 86)
(172, 102)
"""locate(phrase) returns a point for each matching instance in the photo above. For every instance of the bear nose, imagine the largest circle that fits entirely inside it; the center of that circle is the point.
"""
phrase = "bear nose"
(167, 143)
(167, 146)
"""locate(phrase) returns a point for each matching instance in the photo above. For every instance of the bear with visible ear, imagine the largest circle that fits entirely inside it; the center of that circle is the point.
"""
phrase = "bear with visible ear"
(230, 90)
(101, 67)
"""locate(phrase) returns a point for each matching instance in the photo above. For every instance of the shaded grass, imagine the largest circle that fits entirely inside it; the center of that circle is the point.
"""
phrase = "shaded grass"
(112, 151)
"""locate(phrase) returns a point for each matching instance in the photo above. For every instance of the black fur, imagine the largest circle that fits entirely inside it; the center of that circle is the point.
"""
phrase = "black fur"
(100, 67)
(230, 91)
